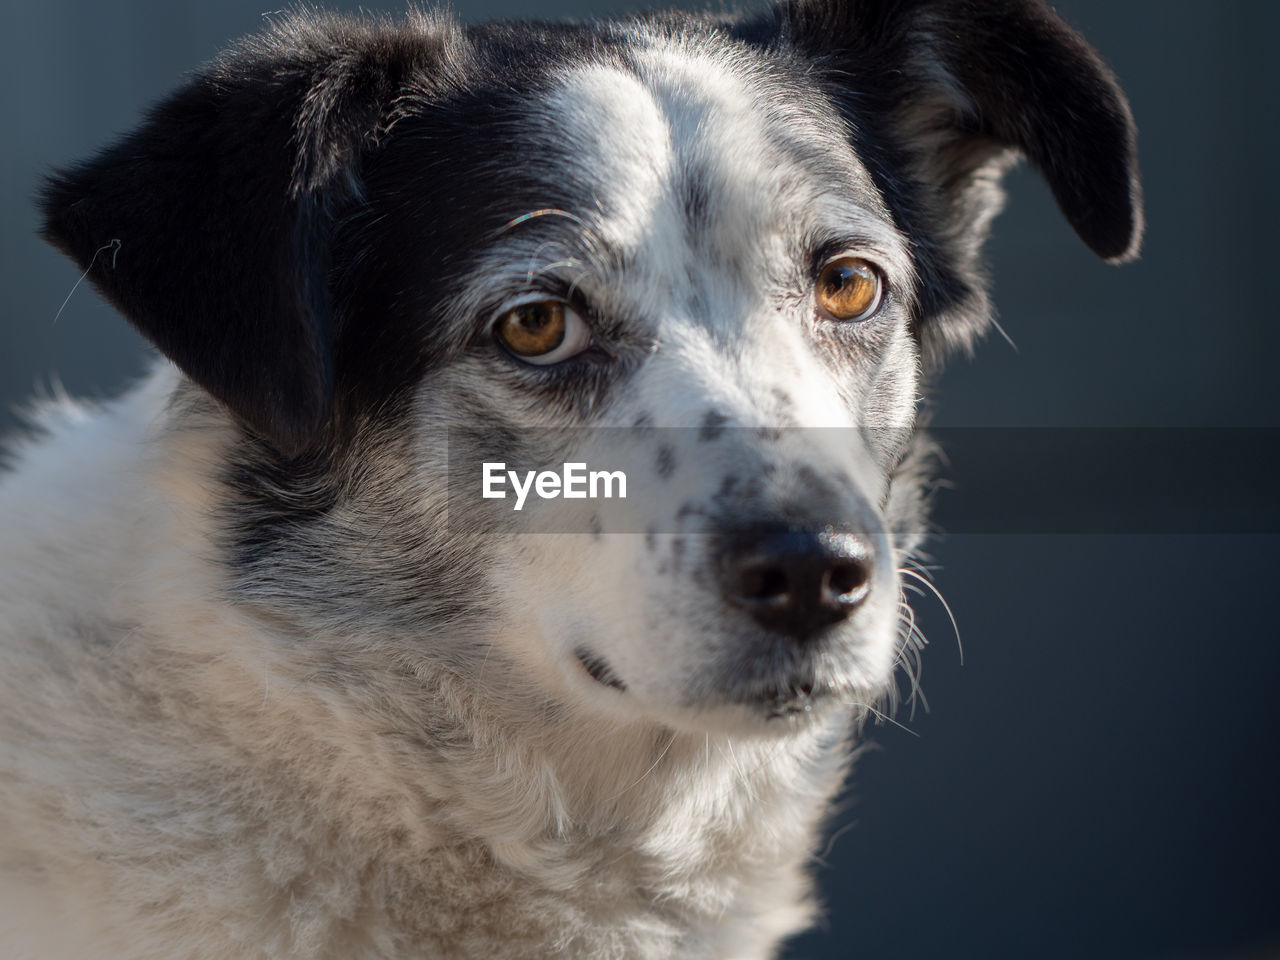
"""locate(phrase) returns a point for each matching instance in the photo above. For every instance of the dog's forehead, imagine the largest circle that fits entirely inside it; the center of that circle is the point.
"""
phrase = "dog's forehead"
(660, 178)
(704, 153)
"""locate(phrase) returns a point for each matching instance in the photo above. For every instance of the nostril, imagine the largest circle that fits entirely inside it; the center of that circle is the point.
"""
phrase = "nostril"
(847, 581)
(763, 584)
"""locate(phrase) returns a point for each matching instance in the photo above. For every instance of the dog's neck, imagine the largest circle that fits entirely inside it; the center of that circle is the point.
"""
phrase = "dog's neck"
(429, 755)
(703, 837)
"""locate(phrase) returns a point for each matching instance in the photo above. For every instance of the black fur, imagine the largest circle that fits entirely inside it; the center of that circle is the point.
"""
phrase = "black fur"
(223, 205)
(1028, 81)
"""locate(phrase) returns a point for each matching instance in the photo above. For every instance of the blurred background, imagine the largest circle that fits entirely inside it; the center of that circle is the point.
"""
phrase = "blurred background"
(1099, 779)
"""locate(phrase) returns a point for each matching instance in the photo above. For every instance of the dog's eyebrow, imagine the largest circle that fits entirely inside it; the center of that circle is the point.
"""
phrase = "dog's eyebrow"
(545, 212)
(869, 237)
(884, 244)
(560, 248)
(584, 232)
(581, 244)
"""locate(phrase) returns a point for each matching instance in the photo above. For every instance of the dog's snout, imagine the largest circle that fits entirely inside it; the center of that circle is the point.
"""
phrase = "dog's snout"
(797, 582)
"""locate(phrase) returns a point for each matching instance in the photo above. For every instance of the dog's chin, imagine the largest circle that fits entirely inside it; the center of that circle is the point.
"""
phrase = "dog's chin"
(764, 714)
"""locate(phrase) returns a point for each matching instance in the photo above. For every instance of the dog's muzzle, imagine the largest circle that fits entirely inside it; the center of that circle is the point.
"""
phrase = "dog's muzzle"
(796, 582)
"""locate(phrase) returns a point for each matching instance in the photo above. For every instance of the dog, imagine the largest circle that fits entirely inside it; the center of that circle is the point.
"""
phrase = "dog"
(279, 681)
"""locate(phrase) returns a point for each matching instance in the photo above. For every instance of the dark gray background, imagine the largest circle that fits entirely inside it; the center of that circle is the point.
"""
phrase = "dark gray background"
(1099, 778)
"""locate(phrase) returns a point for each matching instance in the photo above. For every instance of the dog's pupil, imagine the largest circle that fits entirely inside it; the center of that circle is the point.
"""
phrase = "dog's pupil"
(535, 318)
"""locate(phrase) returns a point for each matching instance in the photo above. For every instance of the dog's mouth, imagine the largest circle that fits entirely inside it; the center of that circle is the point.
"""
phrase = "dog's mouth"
(599, 670)
(789, 701)
(795, 697)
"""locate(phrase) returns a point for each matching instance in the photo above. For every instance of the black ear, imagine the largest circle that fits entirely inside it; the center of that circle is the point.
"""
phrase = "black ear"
(1007, 73)
(955, 87)
(209, 226)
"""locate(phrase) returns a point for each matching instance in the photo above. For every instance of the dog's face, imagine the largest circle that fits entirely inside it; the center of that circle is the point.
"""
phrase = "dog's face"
(715, 255)
(733, 294)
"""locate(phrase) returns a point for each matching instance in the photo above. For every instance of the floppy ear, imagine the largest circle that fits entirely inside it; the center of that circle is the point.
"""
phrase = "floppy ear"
(959, 85)
(209, 226)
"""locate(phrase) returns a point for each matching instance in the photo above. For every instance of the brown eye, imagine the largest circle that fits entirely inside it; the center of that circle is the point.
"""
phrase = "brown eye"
(542, 332)
(849, 289)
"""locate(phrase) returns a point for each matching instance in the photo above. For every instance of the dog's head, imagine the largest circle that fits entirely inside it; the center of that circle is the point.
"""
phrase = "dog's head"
(734, 245)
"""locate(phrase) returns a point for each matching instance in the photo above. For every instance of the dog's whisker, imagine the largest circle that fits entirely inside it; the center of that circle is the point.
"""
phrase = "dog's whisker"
(536, 266)
(671, 738)
(488, 650)
(831, 842)
(743, 780)
(584, 233)
(547, 212)
(912, 641)
(880, 716)
(1005, 336)
(928, 584)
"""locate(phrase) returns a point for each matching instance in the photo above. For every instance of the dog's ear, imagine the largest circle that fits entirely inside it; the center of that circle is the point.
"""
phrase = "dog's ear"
(956, 86)
(209, 226)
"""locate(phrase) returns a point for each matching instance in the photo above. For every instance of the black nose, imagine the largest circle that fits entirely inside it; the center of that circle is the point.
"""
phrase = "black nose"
(797, 582)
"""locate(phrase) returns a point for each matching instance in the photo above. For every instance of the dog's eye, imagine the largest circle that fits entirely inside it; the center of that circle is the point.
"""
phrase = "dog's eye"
(542, 332)
(849, 289)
